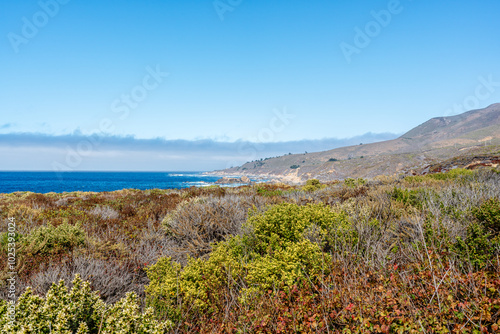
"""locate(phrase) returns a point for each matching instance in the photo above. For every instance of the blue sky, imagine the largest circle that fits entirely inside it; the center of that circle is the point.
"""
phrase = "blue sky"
(223, 71)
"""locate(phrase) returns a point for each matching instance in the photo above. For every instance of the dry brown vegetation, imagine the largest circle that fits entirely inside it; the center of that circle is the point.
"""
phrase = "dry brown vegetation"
(416, 254)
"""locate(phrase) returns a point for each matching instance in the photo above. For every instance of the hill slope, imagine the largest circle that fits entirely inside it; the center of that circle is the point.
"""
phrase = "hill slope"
(438, 139)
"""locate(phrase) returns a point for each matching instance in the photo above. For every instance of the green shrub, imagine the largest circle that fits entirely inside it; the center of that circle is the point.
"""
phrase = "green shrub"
(407, 197)
(353, 183)
(231, 263)
(313, 182)
(275, 249)
(269, 193)
(287, 265)
(287, 223)
(489, 214)
(478, 247)
(4, 239)
(308, 188)
(164, 287)
(79, 310)
(312, 185)
(50, 239)
(416, 179)
(450, 175)
(294, 166)
(196, 283)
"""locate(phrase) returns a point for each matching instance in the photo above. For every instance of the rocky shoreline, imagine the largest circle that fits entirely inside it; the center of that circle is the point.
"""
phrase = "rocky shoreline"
(233, 180)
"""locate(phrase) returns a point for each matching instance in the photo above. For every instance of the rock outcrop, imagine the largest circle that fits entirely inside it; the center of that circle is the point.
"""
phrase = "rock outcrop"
(232, 180)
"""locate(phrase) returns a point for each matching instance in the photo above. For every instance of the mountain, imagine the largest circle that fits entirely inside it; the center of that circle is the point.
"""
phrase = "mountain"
(466, 128)
(438, 139)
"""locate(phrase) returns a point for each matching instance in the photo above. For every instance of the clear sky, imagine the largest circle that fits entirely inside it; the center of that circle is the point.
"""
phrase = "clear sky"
(234, 70)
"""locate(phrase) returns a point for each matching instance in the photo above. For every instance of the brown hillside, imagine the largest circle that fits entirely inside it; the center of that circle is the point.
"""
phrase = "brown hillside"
(437, 139)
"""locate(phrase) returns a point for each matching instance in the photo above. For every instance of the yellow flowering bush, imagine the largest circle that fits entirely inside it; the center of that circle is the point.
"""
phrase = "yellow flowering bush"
(288, 222)
(274, 250)
(194, 283)
(286, 265)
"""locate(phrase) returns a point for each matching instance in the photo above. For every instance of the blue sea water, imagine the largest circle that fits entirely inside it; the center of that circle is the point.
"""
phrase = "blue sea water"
(44, 182)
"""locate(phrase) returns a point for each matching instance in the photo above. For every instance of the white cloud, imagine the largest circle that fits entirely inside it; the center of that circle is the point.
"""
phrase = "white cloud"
(34, 151)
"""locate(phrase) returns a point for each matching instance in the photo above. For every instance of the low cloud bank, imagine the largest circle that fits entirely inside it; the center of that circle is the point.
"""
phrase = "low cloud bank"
(34, 151)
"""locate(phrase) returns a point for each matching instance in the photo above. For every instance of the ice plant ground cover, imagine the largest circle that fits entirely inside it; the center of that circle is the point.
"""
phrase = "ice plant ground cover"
(387, 255)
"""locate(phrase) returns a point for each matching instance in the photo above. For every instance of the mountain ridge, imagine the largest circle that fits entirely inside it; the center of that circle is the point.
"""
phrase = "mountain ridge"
(438, 139)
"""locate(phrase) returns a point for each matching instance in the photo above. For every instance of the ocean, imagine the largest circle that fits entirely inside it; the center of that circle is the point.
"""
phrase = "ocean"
(44, 182)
